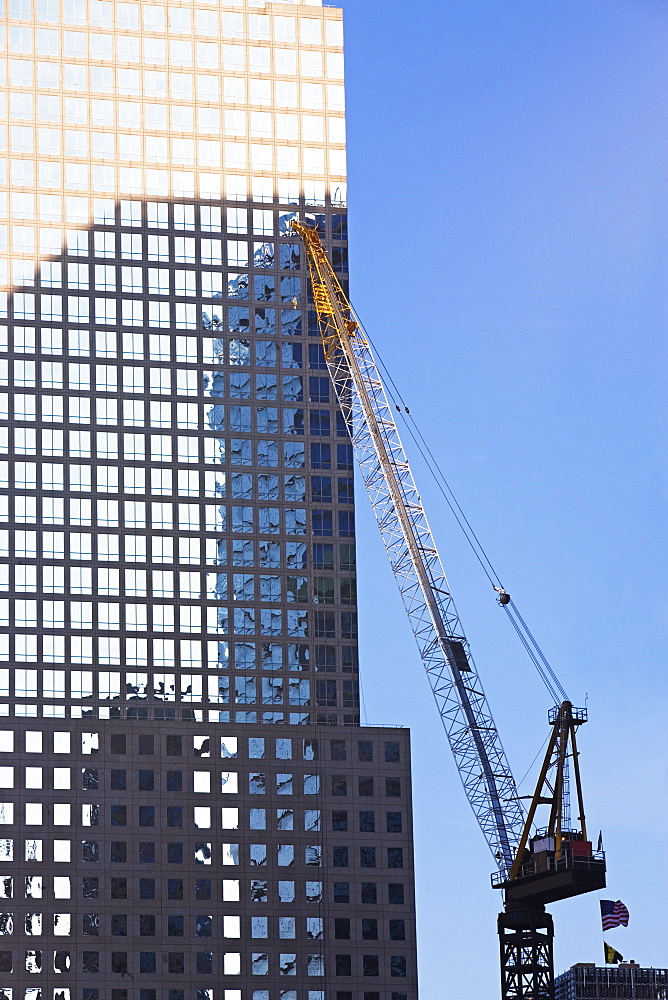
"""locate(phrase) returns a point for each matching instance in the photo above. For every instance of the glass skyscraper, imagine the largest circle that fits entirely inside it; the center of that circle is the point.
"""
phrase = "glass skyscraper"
(191, 810)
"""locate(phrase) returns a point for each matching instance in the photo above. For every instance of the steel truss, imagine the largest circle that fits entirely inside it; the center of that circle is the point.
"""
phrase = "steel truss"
(527, 964)
(454, 680)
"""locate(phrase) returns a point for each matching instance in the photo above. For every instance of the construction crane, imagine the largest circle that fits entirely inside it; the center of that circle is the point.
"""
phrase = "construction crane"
(533, 868)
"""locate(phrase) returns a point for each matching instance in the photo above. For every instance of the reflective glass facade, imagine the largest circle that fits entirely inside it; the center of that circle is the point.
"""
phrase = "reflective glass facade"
(183, 522)
(177, 560)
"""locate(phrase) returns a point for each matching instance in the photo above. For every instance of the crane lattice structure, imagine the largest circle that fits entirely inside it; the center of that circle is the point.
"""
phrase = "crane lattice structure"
(452, 674)
(557, 862)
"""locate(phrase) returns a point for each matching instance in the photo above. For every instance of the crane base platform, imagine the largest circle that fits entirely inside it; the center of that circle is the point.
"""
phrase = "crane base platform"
(560, 882)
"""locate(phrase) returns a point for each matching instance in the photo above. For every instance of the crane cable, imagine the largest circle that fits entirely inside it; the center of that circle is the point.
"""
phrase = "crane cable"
(535, 653)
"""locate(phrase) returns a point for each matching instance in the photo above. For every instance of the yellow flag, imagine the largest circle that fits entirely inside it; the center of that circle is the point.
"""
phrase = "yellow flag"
(612, 957)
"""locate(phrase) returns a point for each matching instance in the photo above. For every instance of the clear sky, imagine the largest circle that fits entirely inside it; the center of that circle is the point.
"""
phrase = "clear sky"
(507, 209)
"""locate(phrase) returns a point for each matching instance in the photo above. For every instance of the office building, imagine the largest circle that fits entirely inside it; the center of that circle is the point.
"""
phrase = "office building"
(627, 981)
(191, 810)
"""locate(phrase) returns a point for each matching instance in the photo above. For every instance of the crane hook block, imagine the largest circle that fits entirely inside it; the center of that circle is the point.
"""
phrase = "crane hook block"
(504, 596)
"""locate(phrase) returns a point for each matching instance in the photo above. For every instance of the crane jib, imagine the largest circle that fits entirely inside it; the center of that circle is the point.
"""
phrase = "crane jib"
(413, 555)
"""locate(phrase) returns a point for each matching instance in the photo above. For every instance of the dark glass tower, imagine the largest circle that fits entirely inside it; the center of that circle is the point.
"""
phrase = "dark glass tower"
(191, 809)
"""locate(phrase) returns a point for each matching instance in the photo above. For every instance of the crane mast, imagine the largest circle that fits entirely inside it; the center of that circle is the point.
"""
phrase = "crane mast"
(557, 862)
(452, 674)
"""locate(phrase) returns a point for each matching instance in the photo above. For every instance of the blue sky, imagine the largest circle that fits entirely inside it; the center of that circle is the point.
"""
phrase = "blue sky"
(508, 250)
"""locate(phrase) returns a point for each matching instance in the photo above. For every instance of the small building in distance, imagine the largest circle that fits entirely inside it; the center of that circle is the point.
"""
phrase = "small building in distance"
(626, 981)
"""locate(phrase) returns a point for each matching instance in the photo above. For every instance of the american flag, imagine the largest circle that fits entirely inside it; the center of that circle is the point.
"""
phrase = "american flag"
(613, 914)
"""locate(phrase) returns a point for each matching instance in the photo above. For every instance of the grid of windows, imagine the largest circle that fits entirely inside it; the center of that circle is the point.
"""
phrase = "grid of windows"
(176, 523)
(160, 100)
(160, 416)
(113, 878)
(201, 531)
(585, 982)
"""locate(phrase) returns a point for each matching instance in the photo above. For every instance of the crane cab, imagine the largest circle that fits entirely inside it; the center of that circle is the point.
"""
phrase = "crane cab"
(555, 862)
(546, 875)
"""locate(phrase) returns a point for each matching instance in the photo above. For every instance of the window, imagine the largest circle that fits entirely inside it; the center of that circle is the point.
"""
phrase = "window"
(398, 965)
(397, 929)
(346, 523)
(342, 892)
(321, 456)
(175, 962)
(174, 888)
(393, 822)
(147, 964)
(147, 852)
(324, 624)
(90, 961)
(343, 965)
(203, 888)
(89, 778)
(320, 422)
(146, 781)
(119, 961)
(326, 693)
(339, 784)
(395, 857)
(147, 888)
(370, 965)
(345, 490)
(395, 893)
(369, 929)
(118, 816)
(369, 892)
(175, 854)
(321, 521)
(174, 816)
(119, 888)
(340, 857)
(119, 851)
(316, 357)
(340, 821)
(146, 816)
(392, 787)
(204, 962)
(90, 889)
(367, 822)
(318, 389)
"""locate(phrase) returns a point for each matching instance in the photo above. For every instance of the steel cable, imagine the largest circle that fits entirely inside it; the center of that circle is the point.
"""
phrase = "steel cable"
(528, 640)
